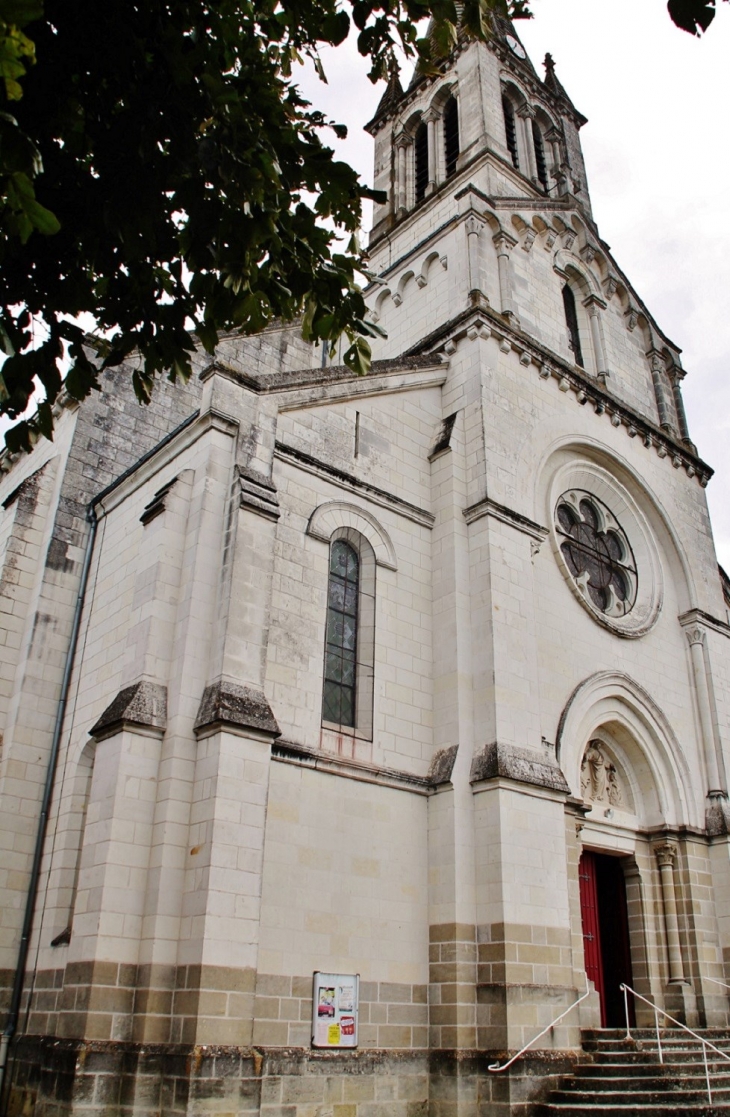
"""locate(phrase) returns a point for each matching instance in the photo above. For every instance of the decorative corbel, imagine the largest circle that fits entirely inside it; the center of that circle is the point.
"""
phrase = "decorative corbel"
(610, 285)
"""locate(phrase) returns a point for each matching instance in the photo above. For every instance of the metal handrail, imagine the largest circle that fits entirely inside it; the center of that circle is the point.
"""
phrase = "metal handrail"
(705, 1042)
(497, 1069)
(716, 982)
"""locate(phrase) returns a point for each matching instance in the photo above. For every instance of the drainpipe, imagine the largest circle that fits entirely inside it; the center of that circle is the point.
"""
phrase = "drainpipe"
(12, 1021)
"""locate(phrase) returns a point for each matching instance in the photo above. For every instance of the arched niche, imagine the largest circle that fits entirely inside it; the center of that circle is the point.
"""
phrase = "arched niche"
(612, 708)
(329, 518)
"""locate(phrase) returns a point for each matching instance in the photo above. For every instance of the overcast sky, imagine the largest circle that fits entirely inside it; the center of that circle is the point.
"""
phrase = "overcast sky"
(657, 149)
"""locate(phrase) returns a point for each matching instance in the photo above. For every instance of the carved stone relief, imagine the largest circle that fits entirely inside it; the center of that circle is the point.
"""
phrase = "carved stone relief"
(599, 780)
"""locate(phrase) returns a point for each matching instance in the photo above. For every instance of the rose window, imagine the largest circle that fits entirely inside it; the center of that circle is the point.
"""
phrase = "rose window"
(597, 553)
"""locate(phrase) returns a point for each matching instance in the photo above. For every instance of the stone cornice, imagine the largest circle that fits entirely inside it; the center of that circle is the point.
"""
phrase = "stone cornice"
(505, 515)
(353, 484)
(704, 620)
(288, 752)
(485, 323)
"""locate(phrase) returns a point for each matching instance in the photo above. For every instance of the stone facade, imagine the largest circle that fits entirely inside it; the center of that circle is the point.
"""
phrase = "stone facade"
(519, 698)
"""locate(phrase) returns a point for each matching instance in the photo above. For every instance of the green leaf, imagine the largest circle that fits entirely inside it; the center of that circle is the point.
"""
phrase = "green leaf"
(359, 357)
(43, 220)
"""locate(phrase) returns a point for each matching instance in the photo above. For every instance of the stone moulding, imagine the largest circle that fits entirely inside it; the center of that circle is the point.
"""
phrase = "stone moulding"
(143, 704)
(551, 366)
(258, 493)
(226, 703)
(506, 515)
(521, 765)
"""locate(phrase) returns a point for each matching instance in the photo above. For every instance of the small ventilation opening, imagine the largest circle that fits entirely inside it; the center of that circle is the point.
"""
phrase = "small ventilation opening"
(421, 161)
(451, 135)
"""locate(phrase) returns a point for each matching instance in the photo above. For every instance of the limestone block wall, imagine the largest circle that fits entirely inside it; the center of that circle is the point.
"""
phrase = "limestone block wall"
(42, 567)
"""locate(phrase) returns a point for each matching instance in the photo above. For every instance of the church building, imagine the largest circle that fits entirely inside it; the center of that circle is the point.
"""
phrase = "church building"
(356, 730)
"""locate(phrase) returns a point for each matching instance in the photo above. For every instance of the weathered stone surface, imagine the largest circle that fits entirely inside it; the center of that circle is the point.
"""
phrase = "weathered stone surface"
(227, 703)
(512, 763)
(143, 703)
(442, 765)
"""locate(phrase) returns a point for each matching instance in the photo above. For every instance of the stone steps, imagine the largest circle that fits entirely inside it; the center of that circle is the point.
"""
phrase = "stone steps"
(625, 1077)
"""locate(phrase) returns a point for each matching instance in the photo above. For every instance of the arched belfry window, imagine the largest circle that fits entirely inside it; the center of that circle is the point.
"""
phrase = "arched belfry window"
(571, 321)
(540, 163)
(421, 146)
(451, 135)
(347, 698)
(511, 130)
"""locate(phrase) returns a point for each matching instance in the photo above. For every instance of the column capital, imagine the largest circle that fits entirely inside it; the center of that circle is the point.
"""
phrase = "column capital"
(595, 302)
(695, 635)
(666, 854)
(474, 224)
(504, 242)
(526, 111)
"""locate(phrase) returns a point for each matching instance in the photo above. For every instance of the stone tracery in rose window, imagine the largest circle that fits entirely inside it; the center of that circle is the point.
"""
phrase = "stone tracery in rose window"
(596, 552)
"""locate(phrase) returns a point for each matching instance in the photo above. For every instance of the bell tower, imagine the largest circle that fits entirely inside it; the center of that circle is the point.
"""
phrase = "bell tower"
(487, 116)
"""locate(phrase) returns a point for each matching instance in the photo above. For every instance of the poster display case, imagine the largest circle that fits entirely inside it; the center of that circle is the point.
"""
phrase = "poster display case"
(334, 1009)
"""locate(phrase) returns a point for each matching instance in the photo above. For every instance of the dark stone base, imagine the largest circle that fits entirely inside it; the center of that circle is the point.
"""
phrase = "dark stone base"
(50, 1077)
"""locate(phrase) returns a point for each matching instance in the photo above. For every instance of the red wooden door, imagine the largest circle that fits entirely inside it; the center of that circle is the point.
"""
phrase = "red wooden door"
(591, 927)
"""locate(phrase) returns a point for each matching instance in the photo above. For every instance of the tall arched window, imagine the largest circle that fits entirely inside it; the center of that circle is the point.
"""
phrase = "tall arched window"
(540, 156)
(509, 127)
(421, 161)
(349, 653)
(340, 674)
(451, 135)
(571, 320)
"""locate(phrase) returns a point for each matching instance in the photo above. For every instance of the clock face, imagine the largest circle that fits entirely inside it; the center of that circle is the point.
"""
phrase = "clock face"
(515, 46)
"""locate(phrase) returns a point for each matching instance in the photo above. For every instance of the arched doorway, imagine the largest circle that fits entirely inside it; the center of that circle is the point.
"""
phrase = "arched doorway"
(606, 942)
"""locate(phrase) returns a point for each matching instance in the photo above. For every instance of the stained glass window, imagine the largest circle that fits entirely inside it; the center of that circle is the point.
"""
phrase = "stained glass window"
(340, 666)
(599, 557)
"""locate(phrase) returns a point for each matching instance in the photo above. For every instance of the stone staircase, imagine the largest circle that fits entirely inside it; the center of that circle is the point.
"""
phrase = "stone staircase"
(620, 1078)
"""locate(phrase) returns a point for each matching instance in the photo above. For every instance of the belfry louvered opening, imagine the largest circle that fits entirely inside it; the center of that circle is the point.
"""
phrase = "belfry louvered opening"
(451, 135)
(540, 163)
(571, 321)
(421, 146)
(511, 131)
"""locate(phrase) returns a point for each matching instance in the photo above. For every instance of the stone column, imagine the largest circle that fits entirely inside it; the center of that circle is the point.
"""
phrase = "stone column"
(430, 119)
(594, 306)
(657, 374)
(666, 855)
(676, 376)
(504, 244)
(553, 138)
(696, 637)
(474, 226)
(526, 113)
